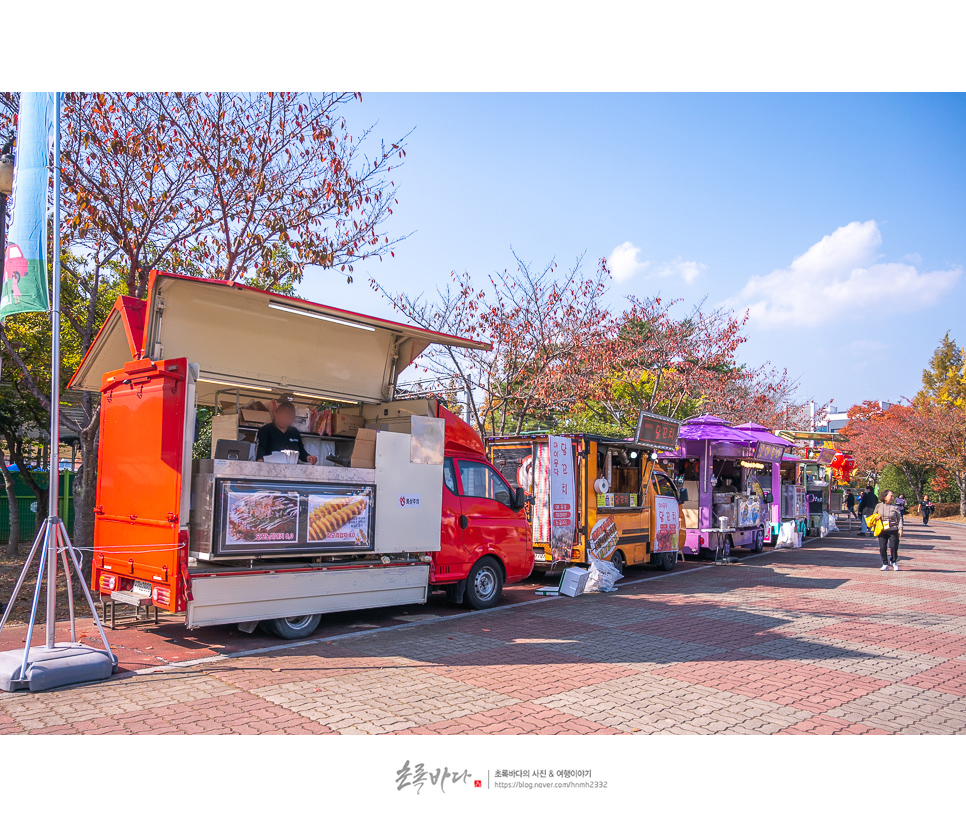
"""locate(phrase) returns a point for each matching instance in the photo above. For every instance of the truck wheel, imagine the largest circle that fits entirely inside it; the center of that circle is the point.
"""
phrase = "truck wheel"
(726, 548)
(484, 584)
(759, 543)
(294, 628)
(619, 561)
(669, 560)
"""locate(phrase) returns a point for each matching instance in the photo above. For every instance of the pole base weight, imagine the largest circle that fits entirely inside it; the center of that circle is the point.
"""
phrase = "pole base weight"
(66, 664)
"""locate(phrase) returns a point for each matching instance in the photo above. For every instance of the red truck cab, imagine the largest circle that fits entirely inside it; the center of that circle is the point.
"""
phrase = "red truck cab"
(485, 536)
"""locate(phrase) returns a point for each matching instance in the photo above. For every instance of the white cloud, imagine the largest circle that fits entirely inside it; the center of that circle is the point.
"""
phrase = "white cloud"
(687, 271)
(623, 261)
(841, 277)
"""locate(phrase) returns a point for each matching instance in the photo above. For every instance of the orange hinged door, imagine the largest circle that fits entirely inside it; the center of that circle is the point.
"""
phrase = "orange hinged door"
(140, 501)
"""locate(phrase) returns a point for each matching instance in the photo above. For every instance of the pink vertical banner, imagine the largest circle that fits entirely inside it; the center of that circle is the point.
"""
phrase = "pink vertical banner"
(563, 495)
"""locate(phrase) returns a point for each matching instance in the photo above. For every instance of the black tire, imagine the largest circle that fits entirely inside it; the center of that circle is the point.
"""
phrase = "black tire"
(484, 585)
(758, 545)
(295, 628)
(668, 561)
(619, 561)
(726, 548)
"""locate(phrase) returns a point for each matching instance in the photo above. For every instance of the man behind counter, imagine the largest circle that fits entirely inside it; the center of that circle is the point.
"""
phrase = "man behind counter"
(281, 434)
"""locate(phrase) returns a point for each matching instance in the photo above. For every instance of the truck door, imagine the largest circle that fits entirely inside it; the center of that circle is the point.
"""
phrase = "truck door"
(142, 486)
(449, 564)
(489, 523)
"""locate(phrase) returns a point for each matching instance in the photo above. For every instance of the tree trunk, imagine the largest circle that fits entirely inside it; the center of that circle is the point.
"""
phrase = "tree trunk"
(40, 494)
(916, 478)
(15, 446)
(13, 542)
(85, 485)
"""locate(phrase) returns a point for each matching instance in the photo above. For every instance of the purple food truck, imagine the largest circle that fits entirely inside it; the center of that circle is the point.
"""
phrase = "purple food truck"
(732, 475)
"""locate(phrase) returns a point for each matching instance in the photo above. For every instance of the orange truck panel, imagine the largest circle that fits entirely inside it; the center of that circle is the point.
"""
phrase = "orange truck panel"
(137, 521)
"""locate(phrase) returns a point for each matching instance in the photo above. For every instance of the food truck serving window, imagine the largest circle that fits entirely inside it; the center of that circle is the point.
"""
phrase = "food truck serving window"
(480, 481)
(622, 468)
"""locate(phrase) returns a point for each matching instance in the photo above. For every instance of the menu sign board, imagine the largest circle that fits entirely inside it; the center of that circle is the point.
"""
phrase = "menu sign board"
(563, 505)
(825, 456)
(768, 452)
(666, 522)
(657, 432)
(267, 517)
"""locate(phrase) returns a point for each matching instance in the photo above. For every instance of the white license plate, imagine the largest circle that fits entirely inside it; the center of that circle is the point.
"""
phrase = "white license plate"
(540, 556)
(142, 587)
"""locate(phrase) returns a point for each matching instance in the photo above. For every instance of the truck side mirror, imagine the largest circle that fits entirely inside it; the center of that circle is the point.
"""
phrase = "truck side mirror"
(519, 498)
(769, 497)
(683, 496)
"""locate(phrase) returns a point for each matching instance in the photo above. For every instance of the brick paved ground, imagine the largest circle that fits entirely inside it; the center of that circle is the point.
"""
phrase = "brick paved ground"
(811, 641)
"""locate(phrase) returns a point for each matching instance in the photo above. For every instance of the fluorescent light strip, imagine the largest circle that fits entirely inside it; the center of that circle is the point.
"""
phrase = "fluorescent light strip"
(285, 309)
(320, 397)
(241, 385)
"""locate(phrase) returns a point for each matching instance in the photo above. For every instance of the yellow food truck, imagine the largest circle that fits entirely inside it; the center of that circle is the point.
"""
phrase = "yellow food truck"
(619, 504)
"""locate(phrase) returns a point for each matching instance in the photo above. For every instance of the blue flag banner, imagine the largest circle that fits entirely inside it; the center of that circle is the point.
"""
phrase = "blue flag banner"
(24, 287)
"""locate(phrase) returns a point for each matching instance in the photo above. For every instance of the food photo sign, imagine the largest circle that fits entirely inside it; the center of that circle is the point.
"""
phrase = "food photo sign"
(666, 527)
(563, 505)
(270, 517)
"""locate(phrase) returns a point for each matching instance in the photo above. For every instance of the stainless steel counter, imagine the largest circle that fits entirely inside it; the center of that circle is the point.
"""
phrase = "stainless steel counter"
(285, 472)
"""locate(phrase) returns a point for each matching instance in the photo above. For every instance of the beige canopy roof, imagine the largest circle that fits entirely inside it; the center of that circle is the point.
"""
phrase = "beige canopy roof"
(245, 337)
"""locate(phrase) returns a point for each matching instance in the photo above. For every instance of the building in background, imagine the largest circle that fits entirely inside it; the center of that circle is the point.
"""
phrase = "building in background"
(835, 421)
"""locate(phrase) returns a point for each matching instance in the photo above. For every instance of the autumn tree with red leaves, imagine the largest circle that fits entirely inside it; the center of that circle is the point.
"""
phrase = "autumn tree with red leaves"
(245, 187)
(893, 436)
(942, 434)
(550, 333)
(562, 359)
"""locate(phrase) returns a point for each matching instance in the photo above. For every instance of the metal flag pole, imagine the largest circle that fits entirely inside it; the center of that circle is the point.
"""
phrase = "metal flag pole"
(54, 472)
(64, 663)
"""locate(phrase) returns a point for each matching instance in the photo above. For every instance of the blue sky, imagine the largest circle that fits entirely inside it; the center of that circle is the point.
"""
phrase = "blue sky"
(838, 219)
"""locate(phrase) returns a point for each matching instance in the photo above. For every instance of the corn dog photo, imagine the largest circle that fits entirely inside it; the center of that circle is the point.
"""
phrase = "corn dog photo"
(332, 515)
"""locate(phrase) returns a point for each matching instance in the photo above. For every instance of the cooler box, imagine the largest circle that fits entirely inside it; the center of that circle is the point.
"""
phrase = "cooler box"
(573, 581)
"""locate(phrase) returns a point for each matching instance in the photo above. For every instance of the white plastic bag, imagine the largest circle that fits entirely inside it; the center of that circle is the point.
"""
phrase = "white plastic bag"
(787, 536)
(602, 576)
(830, 524)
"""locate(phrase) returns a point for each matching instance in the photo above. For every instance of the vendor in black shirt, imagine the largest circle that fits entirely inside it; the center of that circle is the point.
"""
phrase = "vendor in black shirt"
(281, 434)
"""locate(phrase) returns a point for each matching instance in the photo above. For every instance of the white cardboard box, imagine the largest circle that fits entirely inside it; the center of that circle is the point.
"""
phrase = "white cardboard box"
(573, 581)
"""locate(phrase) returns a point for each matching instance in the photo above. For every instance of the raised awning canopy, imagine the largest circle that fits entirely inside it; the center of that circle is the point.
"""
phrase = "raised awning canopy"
(260, 341)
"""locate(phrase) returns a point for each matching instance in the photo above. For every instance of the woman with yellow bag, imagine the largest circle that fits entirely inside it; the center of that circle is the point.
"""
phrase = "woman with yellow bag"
(886, 524)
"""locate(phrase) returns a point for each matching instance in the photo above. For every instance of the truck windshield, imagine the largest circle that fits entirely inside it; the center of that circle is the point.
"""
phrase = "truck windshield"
(480, 481)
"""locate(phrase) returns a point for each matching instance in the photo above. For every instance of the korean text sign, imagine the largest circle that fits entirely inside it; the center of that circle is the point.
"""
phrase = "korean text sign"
(666, 529)
(769, 452)
(563, 507)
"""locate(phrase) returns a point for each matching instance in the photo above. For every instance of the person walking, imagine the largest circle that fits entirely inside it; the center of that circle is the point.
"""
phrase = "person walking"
(850, 505)
(866, 508)
(926, 508)
(888, 511)
(901, 503)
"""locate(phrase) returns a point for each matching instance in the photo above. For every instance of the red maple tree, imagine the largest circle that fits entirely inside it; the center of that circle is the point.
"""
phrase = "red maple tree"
(550, 332)
(894, 436)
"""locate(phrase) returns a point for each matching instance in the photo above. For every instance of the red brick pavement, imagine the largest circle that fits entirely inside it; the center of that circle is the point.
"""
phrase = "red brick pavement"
(816, 641)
